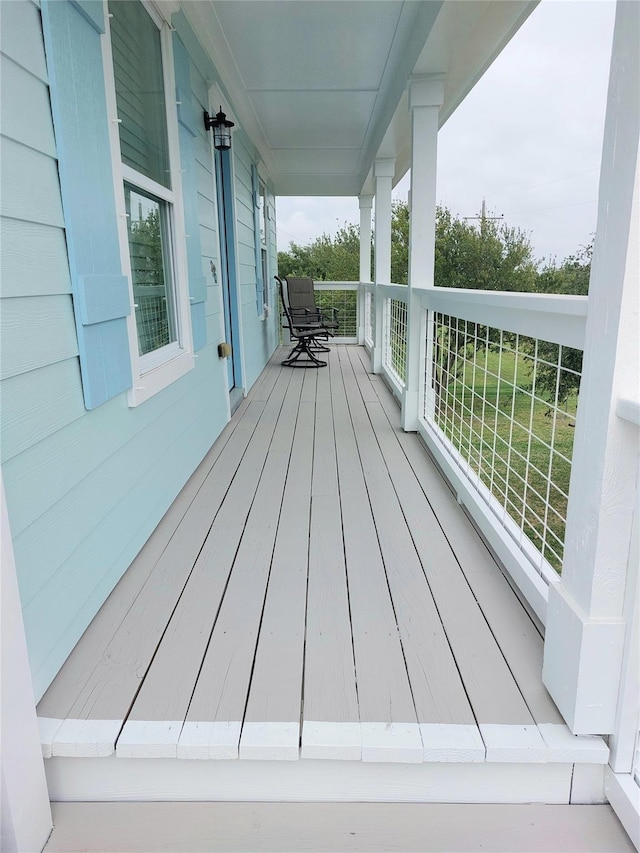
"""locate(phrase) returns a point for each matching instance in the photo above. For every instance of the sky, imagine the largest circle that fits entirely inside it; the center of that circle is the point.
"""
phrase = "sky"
(528, 138)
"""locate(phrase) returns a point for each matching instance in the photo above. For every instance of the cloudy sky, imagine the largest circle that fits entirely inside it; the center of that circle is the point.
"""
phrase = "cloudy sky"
(528, 138)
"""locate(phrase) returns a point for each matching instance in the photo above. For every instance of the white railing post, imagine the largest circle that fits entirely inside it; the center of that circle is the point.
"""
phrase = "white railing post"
(585, 619)
(366, 203)
(383, 171)
(26, 815)
(426, 94)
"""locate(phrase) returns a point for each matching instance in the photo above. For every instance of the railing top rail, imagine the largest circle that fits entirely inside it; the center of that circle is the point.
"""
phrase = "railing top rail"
(629, 410)
(393, 291)
(548, 317)
(336, 285)
(546, 302)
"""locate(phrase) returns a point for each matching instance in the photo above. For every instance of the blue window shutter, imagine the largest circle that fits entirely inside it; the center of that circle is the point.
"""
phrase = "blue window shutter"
(256, 234)
(190, 123)
(72, 31)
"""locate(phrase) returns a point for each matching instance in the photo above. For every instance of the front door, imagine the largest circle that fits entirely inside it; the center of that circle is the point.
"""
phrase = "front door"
(226, 222)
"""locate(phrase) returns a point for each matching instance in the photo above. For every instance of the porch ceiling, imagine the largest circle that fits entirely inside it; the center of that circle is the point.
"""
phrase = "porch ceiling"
(319, 85)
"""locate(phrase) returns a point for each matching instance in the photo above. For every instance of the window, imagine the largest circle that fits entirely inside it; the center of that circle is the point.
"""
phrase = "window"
(264, 231)
(148, 187)
(149, 232)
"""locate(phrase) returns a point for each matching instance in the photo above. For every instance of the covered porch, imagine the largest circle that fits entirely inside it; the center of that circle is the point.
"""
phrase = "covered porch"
(317, 604)
(338, 606)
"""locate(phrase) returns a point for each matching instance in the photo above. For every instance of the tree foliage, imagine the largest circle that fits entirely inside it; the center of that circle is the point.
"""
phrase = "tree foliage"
(326, 258)
(558, 372)
(489, 255)
(571, 277)
(399, 242)
(492, 256)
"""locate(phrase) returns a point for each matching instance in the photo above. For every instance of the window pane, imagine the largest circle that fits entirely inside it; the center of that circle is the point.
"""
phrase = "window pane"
(263, 214)
(150, 269)
(137, 66)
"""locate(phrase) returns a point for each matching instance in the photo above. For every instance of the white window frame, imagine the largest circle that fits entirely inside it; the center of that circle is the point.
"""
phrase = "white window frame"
(263, 193)
(155, 370)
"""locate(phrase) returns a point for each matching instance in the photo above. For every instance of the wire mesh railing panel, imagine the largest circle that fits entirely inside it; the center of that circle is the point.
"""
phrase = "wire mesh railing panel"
(395, 338)
(369, 319)
(346, 303)
(507, 404)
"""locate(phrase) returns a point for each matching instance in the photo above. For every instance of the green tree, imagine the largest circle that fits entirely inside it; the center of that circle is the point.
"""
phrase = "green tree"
(571, 277)
(326, 258)
(492, 256)
(489, 256)
(399, 242)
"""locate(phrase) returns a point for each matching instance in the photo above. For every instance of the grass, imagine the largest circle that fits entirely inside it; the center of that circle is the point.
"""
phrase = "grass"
(515, 441)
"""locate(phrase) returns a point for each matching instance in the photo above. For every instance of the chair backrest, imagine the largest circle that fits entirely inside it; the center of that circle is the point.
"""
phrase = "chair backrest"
(301, 293)
(286, 307)
(299, 324)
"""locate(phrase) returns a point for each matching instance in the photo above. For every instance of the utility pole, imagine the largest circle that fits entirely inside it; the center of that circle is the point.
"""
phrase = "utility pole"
(483, 215)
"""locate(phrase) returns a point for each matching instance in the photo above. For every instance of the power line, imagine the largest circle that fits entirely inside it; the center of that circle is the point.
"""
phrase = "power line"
(282, 231)
(555, 206)
(547, 183)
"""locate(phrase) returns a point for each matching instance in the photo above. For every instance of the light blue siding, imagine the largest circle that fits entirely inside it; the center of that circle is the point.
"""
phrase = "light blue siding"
(190, 126)
(259, 334)
(85, 488)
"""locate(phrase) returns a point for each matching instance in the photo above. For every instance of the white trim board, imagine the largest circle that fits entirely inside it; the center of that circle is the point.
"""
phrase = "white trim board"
(624, 795)
(160, 779)
(398, 743)
(530, 583)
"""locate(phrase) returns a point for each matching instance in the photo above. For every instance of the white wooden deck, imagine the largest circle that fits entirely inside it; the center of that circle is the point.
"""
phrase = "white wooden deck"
(315, 595)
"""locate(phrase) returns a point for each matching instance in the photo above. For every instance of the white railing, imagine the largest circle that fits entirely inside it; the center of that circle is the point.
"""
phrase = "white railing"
(394, 334)
(498, 399)
(369, 316)
(500, 381)
(342, 295)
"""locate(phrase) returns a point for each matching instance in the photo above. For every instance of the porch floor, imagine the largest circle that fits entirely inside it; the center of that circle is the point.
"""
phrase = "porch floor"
(315, 592)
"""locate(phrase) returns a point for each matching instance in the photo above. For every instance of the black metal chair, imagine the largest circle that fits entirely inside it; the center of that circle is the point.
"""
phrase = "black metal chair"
(302, 302)
(306, 329)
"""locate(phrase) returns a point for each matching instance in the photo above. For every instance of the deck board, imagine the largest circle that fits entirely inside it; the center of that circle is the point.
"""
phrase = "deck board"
(520, 642)
(437, 687)
(315, 591)
(493, 694)
(330, 695)
(276, 685)
(221, 689)
(316, 828)
(384, 691)
(103, 673)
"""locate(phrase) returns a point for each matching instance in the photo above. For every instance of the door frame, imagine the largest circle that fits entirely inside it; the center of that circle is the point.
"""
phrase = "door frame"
(224, 177)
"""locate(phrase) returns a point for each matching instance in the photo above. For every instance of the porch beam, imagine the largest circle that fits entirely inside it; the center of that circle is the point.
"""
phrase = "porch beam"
(426, 95)
(366, 203)
(585, 631)
(384, 171)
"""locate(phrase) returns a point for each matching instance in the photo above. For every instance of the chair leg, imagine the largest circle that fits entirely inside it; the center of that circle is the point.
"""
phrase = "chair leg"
(316, 346)
(303, 352)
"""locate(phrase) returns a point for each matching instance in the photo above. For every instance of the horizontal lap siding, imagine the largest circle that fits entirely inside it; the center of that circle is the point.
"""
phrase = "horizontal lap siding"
(259, 335)
(84, 489)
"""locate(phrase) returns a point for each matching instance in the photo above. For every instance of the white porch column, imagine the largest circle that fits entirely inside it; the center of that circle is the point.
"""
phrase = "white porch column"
(585, 628)
(26, 814)
(426, 95)
(383, 171)
(366, 203)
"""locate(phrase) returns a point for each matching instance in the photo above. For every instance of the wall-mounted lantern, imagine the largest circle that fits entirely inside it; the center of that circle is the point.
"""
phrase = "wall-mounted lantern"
(221, 130)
